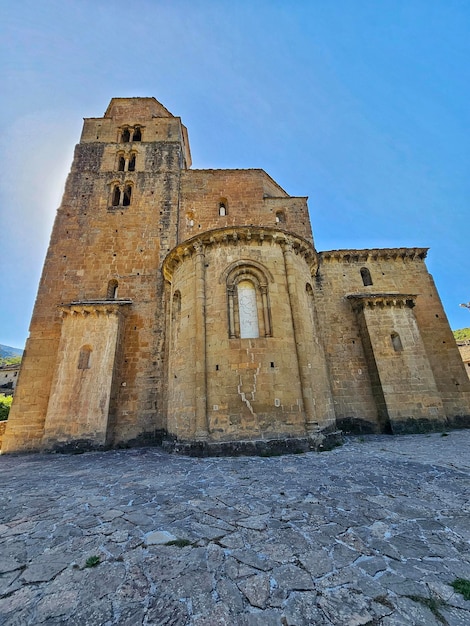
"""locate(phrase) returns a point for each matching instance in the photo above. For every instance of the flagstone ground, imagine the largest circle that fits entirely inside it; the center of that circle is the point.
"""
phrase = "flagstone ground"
(371, 533)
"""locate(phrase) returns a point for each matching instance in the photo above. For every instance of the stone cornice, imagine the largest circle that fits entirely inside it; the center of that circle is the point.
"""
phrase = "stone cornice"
(370, 300)
(234, 235)
(93, 307)
(373, 254)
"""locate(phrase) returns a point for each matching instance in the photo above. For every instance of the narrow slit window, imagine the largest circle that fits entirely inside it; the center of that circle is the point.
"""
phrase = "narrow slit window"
(84, 358)
(222, 210)
(121, 164)
(366, 277)
(131, 167)
(112, 290)
(396, 342)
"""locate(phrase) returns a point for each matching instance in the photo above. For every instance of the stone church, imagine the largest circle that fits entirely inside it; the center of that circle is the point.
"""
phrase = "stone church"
(192, 305)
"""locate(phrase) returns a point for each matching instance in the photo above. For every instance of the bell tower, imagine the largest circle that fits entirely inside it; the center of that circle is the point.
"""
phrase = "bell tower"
(93, 366)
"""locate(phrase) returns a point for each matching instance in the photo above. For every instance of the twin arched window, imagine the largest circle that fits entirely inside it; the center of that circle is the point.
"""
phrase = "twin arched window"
(130, 133)
(121, 195)
(126, 163)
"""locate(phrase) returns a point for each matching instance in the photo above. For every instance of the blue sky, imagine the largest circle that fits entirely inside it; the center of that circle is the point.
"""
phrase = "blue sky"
(363, 105)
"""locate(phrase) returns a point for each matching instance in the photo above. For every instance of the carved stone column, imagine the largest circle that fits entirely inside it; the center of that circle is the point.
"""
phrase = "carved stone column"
(266, 311)
(311, 422)
(200, 365)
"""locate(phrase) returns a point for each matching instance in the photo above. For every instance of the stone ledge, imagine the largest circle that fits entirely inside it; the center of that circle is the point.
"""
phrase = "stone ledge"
(256, 447)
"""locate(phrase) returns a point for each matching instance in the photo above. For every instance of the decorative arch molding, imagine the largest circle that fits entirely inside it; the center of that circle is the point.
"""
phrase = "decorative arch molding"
(233, 236)
(257, 270)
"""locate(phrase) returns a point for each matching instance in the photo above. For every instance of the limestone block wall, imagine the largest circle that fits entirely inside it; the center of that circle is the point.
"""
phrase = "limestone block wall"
(390, 271)
(83, 379)
(408, 390)
(93, 244)
(230, 386)
(244, 197)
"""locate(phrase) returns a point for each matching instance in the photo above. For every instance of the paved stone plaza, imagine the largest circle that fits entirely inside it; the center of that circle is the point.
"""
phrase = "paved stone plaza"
(371, 533)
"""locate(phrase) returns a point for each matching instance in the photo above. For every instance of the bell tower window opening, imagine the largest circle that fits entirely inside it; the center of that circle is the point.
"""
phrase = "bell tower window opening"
(130, 133)
(126, 199)
(131, 166)
(116, 199)
(121, 163)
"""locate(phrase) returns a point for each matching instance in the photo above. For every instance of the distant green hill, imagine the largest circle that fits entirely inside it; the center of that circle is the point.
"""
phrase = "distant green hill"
(9, 355)
(462, 334)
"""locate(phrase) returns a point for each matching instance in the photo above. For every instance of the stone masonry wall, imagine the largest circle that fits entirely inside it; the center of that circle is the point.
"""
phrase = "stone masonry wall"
(93, 243)
(391, 271)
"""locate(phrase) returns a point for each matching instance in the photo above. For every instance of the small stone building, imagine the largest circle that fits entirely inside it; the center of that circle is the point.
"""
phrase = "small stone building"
(8, 378)
(193, 304)
(464, 349)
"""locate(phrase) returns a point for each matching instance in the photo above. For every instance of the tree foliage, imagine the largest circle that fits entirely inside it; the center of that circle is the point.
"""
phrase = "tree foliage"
(462, 334)
(5, 404)
(10, 360)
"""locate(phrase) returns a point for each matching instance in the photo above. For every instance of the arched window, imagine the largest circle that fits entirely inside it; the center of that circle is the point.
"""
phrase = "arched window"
(127, 195)
(111, 293)
(223, 211)
(311, 304)
(396, 342)
(84, 358)
(116, 200)
(247, 310)
(131, 166)
(176, 306)
(125, 135)
(249, 313)
(121, 163)
(137, 134)
(280, 217)
(366, 277)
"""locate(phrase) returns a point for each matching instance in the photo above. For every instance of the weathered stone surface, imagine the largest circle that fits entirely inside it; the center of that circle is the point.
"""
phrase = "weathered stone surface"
(159, 537)
(343, 607)
(256, 589)
(340, 559)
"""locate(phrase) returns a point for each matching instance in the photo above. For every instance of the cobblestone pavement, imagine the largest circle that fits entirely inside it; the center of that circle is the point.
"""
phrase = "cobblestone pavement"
(369, 533)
